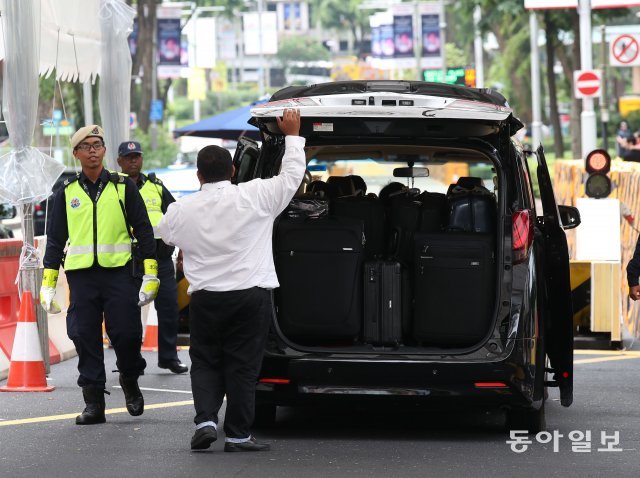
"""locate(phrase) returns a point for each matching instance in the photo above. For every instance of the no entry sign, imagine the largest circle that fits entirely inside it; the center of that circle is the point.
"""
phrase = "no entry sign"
(624, 50)
(586, 83)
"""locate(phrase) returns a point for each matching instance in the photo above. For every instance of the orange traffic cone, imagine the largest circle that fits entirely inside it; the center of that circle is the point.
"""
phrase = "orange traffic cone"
(150, 343)
(26, 372)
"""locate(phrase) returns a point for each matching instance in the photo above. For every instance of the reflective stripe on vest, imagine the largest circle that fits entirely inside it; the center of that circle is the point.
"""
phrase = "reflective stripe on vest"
(112, 244)
(152, 195)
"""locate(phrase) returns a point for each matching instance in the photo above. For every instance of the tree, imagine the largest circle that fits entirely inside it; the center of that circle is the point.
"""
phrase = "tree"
(343, 15)
(143, 61)
(300, 48)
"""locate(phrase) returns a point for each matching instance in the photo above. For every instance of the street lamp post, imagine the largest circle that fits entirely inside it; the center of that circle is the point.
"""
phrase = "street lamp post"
(260, 54)
(588, 116)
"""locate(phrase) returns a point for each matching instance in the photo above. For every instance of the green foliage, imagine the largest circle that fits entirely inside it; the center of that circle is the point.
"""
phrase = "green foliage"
(300, 48)
(455, 56)
(633, 118)
(164, 154)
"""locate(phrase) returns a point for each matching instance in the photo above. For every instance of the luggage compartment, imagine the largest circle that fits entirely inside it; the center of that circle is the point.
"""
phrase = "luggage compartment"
(319, 267)
(454, 287)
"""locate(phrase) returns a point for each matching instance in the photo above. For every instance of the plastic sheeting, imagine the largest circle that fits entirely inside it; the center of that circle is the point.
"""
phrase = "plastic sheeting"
(116, 20)
(26, 174)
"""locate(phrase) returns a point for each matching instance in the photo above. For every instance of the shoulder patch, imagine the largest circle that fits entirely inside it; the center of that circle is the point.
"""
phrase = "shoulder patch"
(70, 180)
(154, 179)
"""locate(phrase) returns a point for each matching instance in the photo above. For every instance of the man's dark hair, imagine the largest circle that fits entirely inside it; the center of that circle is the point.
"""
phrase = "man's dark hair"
(214, 164)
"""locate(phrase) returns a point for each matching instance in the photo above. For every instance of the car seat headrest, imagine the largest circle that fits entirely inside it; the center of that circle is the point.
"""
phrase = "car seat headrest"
(317, 188)
(390, 190)
(339, 186)
(469, 182)
(358, 184)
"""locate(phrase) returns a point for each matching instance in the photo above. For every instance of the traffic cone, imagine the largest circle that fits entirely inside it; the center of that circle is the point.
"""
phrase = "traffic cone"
(150, 343)
(26, 372)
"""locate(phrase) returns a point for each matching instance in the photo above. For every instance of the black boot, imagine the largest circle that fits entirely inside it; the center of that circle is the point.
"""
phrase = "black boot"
(132, 395)
(94, 411)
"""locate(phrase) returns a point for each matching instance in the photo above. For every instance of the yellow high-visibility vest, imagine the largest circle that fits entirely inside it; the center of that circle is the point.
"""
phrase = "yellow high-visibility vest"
(96, 230)
(151, 192)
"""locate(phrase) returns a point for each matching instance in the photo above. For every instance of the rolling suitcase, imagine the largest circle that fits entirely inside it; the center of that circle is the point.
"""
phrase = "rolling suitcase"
(454, 288)
(382, 303)
(319, 267)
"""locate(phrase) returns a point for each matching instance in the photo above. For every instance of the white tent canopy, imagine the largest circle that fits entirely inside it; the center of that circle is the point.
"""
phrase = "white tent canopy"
(79, 39)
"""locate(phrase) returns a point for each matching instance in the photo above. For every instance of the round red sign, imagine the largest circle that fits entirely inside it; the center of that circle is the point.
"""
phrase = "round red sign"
(588, 83)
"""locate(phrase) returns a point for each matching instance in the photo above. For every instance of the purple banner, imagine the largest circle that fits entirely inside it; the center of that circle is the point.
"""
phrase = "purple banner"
(387, 47)
(431, 36)
(403, 36)
(169, 41)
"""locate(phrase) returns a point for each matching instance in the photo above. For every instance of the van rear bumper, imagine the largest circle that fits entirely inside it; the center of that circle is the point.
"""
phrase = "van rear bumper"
(290, 381)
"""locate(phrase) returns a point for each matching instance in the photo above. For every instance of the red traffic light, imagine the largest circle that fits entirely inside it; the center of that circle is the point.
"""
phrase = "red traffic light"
(598, 161)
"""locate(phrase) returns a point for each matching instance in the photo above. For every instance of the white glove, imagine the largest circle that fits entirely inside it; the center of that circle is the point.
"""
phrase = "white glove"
(48, 291)
(148, 289)
(46, 299)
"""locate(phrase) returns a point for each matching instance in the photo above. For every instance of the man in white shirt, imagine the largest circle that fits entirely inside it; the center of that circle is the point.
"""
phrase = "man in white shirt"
(225, 233)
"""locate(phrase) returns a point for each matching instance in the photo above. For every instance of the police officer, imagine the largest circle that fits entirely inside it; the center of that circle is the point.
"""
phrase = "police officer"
(95, 215)
(157, 198)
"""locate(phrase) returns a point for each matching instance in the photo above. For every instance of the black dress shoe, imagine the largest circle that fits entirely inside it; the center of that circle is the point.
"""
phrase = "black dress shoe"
(251, 445)
(203, 438)
(175, 366)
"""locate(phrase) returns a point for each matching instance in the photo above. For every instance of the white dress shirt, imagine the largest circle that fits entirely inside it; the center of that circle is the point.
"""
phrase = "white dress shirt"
(225, 230)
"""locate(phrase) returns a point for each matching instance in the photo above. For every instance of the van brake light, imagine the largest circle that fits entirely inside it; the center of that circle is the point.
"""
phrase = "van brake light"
(522, 232)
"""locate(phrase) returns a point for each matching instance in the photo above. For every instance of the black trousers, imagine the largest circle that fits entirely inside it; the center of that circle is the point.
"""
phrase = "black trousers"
(228, 335)
(112, 293)
(166, 304)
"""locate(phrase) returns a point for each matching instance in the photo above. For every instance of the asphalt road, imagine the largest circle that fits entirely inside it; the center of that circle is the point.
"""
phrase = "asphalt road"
(319, 442)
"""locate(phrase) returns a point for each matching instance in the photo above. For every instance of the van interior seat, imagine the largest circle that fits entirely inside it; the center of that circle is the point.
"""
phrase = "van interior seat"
(468, 183)
(341, 186)
(317, 188)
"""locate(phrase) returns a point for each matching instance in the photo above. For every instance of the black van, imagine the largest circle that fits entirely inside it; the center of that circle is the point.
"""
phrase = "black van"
(418, 264)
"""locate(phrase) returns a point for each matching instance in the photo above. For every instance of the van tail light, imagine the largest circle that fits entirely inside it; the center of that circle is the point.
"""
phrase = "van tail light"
(490, 385)
(279, 381)
(37, 207)
(522, 225)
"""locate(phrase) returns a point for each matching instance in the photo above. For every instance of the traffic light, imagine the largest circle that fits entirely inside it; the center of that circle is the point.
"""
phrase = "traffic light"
(598, 164)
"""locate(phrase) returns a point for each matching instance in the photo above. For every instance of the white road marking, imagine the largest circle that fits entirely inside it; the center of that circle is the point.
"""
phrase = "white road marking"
(160, 390)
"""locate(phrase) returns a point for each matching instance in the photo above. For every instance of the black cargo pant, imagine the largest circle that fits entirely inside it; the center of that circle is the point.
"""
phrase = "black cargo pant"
(112, 293)
(228, 335)
(166, 304)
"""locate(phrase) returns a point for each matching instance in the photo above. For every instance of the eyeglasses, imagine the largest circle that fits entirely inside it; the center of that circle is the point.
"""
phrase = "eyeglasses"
(89, 147)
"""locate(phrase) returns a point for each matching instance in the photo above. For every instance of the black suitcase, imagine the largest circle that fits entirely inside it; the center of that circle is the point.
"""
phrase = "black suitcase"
(319, 267)
(454, 288)
(371, 212)
(382, 303)
(404, 221)
(433, 211)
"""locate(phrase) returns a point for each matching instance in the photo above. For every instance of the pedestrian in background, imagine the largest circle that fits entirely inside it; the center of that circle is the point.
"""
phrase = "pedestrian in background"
(93, 216)
(156, 199)
(225, 233)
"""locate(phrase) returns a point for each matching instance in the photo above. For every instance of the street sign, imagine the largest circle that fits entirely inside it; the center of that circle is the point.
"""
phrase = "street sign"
(155, 113)
(587, 83)
(624, 50)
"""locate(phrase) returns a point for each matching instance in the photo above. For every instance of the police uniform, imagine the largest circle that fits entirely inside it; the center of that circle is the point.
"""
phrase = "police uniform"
(98, 267)
(157, 198)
